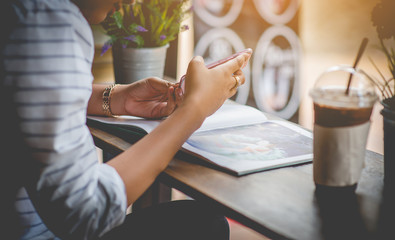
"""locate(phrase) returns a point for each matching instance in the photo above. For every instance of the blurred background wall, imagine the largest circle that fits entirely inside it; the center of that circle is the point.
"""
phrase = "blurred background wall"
(270, 28)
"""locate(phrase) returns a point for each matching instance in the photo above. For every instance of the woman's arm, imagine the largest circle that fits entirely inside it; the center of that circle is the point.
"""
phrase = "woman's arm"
(206, 90)
(96, 100)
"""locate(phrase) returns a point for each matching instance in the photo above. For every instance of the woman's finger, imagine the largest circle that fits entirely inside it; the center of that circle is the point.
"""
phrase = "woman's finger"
(237, 63)
(171, 103)
(239, 79)
(159, 84)
(178, 93)
(240, 75)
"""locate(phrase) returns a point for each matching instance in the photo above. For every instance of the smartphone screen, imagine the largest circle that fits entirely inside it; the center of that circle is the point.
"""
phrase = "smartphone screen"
(217, 63)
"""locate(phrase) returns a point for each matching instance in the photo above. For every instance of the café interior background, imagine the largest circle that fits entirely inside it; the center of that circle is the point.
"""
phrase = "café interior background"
(294, 41)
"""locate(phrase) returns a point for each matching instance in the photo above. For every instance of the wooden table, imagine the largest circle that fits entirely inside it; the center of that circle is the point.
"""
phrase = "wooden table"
(280, 203)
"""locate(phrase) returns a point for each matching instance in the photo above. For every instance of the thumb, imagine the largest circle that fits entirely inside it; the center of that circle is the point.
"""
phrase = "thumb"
(196, 63)
(197, 60)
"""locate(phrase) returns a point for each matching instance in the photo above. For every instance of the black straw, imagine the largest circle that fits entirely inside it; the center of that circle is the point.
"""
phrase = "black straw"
(360, 52)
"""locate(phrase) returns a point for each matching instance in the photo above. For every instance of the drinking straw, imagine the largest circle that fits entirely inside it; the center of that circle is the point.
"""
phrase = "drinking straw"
(360, 52)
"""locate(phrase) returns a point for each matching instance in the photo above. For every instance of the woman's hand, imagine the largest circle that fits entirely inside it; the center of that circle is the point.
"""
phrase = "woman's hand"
(207, 89)
(148, 98)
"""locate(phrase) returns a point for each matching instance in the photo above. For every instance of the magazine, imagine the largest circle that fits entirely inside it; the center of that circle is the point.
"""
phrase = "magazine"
(238, 139)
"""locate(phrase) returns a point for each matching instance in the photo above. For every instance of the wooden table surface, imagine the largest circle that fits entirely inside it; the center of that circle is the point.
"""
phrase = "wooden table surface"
(280, 203)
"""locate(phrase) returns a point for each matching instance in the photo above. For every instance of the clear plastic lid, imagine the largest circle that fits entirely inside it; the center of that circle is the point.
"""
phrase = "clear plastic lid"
(331, 88)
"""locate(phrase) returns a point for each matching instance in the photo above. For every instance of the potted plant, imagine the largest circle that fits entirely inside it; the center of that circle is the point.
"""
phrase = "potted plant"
(139, 35)
(382, 18)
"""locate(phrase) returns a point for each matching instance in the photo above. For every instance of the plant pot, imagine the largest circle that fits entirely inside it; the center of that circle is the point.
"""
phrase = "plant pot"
(388, 113)
(132, 64)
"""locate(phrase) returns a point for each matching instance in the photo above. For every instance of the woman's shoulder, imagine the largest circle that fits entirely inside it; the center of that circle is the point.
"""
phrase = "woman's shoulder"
(48, 11)
(53, 19)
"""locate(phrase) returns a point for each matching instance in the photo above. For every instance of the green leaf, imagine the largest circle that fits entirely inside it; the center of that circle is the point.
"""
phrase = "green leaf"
(133, 28)
(159, 17)
(140, 41)
(118, 19)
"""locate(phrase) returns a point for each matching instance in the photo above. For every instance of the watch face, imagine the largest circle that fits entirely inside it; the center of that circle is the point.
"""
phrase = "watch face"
(275, 72)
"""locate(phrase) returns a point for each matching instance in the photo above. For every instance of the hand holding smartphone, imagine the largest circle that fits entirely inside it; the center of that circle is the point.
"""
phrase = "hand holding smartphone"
(181, 83)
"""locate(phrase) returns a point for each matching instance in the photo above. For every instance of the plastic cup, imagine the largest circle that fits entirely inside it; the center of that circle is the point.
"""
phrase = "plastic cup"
(341, 125)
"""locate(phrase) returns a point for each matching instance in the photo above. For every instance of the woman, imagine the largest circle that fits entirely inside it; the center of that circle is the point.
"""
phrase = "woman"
(61, 190)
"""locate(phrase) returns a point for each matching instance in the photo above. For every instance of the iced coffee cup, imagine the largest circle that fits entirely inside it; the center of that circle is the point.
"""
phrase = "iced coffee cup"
(341, 125)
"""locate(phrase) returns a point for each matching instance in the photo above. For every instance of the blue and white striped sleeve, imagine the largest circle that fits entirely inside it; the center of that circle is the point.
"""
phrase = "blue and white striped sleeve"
(48, 61)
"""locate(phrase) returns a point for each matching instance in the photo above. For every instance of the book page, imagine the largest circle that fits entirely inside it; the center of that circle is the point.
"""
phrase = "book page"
(146, 124)
(252, 148)
(228, 115)
(232, 115)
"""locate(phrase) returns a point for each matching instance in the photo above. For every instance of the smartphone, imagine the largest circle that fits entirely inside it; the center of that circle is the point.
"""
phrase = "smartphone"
(219, 62)
(181, 83)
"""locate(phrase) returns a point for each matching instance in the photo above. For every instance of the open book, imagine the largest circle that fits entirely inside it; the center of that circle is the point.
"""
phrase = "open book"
(236, 138)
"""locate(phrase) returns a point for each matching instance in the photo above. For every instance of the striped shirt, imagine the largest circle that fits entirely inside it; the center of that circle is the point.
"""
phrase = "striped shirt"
(47, 60)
